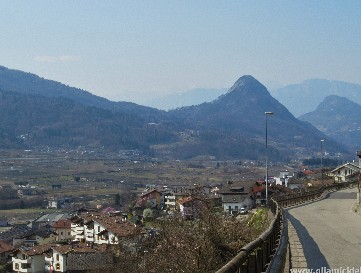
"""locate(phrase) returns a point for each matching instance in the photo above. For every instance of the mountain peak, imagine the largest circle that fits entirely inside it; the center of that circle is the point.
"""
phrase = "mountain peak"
(246, 79)
(334, 101)
(247, 82)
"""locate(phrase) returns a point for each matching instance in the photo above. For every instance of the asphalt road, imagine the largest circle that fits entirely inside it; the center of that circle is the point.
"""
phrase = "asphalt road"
(329, 231)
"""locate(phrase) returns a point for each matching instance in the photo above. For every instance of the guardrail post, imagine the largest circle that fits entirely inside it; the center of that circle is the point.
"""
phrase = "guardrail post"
(264, 253)
(259, 259)
(252, 266)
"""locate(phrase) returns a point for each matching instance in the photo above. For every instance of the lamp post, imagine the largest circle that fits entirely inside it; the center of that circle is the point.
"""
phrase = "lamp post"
(267, 114)
(322, 140)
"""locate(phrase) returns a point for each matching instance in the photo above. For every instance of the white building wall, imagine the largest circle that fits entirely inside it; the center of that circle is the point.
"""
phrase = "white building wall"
(63, 234)
(77, 232)
(247, 203)
(89, 234)
(59, 262)
(233, 206)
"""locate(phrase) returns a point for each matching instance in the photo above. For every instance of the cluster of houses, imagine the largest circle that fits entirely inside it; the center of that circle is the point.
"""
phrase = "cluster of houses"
(189, 201)
(64, 243)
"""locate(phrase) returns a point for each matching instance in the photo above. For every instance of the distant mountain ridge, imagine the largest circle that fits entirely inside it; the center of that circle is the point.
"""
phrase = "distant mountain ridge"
(38, 112)
(304, 97)
(339, 118)
(33, 121)
(27, 83)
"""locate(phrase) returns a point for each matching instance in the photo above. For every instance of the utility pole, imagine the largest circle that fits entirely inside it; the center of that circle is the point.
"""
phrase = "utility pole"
(267, 114)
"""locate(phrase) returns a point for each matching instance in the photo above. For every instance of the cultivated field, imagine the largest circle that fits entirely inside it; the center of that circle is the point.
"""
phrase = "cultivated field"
(95, 178)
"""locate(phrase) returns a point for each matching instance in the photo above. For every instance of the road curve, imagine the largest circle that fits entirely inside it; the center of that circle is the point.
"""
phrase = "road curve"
(329, 231)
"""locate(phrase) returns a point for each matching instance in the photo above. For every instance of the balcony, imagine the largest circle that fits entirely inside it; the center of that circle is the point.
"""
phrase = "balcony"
(21, 261)
(21, 267)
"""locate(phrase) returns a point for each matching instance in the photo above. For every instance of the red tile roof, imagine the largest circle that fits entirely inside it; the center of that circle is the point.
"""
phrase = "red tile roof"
(256, 189)
(62, 224)
(117, 226)
(185, 200)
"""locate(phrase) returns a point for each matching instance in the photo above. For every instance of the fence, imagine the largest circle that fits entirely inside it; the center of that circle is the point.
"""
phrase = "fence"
(268, 252)
(256, 256)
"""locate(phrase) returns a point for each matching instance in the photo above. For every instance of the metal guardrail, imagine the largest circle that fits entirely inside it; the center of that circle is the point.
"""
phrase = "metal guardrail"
(268, 252)
(294, 199)
(256, 256)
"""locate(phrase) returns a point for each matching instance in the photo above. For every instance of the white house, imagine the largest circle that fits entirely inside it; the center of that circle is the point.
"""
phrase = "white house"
(55, 258)
(283, 178)
(31, 260)
(102, 229)
(233, 203)
(345, 171)
(63, 230)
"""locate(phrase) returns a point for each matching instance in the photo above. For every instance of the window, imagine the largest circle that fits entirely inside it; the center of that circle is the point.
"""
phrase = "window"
(16, 266)
(61, 233)
(57, 267)
(57, 257)
(25, 266)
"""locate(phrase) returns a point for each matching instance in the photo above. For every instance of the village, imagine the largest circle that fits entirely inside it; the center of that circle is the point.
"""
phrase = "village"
(89, 238)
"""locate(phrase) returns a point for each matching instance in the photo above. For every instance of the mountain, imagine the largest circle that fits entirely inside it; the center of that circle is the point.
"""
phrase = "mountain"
(305, 97)
(29, 121)
(339, 118)
(27, 83)
(188, 98)
(238, 118)
(36, 112)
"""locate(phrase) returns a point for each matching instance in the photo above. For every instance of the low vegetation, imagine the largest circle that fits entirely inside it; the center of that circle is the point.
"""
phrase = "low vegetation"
(198, 246)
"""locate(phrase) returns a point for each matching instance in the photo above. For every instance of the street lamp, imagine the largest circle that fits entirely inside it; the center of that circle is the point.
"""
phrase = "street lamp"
(267, 114)
(322, 140)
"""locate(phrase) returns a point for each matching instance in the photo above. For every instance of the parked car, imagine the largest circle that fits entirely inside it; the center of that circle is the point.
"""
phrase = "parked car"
(243, 210)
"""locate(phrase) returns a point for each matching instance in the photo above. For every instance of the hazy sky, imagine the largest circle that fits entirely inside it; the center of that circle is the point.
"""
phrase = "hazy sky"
(136, 50)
